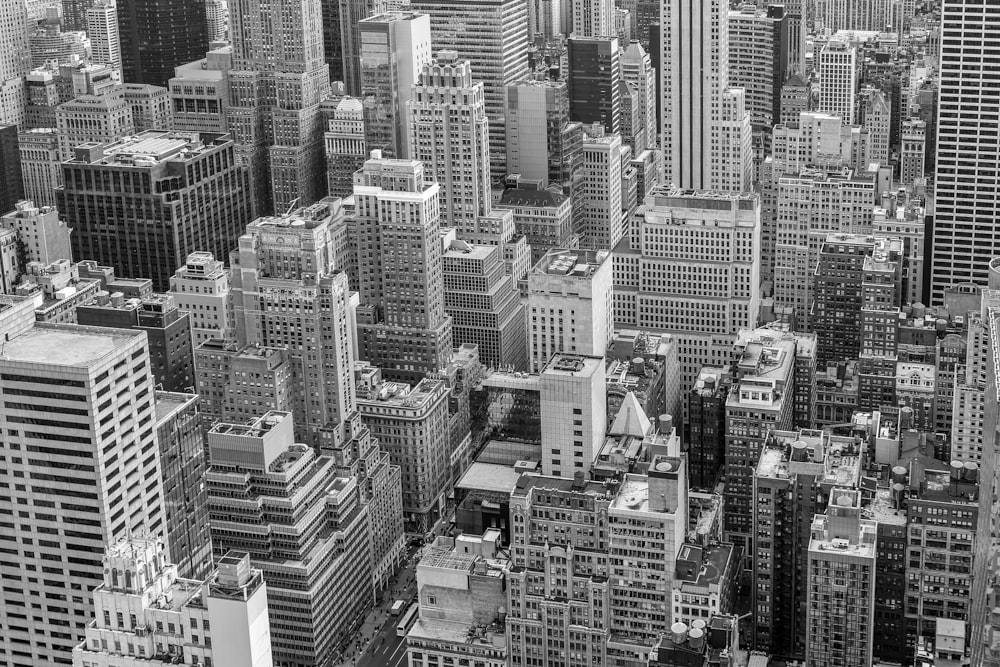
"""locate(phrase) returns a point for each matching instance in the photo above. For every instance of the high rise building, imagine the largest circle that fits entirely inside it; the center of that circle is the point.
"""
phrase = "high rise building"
(964, 212)
(45, 238)
(395, 47)
(41, 169)
(286, 291)
(574, 415)
(102, 29)
(346, 150)
(276, 85)
(638, 72)
(319, 573)
(603, 216)
(874, 113)
(593, 18)
(839, 75)
(569, 305)
(93, 119)
(402, 325)
(811, 205)
(15, 62)
(758, 61)
(484, 305)
(144, 611)
(841, 584)
(873, 15)
(411, 425)
(158, 35)
(593, 81)
(912, 151)
(493, 36)
(542, 143)
(795, 474)
(459, 612)
(217, 16)
(545, 18)
(342, 37)
(201, 289)
(706, 127)
(207, 209)
(48, 43)
(199, 92)
(183, 462)
(151, 106)
(677, 274)
(542, 216)
(77, 496)
(11, 181)
(448, 133)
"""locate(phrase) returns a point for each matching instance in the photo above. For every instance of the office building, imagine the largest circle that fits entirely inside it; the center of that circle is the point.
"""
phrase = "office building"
(601, 566)
(277, 82)
(93, 119)
(199, 92)
(866, 15)
(158, 35)
(569, 305)
(677, 274)
(319, 574)
(15, 63)
(839, 75)
(841, 584)
(77, 496)
(705, 411)
(151, 106)
(593, 81)
(592, 18)
(705, 139)
(811, 205)
(402, 324)
(411, 425)
(912, 151)
(41, 170)
(183, 463)
(758, 61)
(603, 217)
(200, 288)
(638, 72)
(394, 49)
(493, 36)
(873, 111)
(286, 291)
(144, 611)
(102, 29)
(48, 42)
(543, 217)
(346, 150)
(342, 38)
(795, 99)
(574, 414)
(11, 181)
(542, 144)
(448, 133)
(796, 472)
(461, 588)
(484, 305)
(963, 211)
(217, 16)
(47, 285)
(205, 210)
(44, 237)
(168, 331)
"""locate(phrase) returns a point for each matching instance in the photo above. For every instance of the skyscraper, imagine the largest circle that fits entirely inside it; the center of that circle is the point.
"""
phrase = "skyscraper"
(343, 16)
(345, 145)
(593, 18)
(706, 127)
(838, 72)
(966, 207)
(542, 143)
(14, 61)
(448, 133)
(402, 325)
(603, 224)
(638, 71)
(277, 81)
(593, 81)
(68, 471)
(158, 35)
(102, 29)
(394, 49)
(205, 209)
(493, 36)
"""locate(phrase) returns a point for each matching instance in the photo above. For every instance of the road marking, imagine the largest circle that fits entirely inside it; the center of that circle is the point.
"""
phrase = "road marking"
(402, 646)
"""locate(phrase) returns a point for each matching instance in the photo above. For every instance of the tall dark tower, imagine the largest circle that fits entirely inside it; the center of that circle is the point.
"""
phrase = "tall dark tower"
(158, 35)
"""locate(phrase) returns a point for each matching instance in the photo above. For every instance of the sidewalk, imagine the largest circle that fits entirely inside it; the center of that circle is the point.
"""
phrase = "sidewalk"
(376, 619)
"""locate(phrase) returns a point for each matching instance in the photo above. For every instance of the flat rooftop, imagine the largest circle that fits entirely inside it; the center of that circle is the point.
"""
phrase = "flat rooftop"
(573, 364)
(571, 263)
(489, 477)
(714, 562)
(169, 402)
(66, 345)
